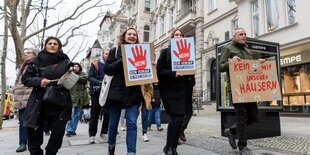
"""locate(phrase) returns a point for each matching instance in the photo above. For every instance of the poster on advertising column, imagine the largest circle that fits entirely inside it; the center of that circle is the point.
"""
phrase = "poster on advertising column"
(183, 57)
(252, 81)
(137, 63)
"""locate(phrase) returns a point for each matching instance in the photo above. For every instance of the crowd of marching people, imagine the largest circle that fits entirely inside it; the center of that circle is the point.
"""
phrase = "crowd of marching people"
(38, 81)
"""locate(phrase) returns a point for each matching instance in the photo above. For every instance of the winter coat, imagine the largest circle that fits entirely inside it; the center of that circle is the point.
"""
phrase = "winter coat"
(21, 93)
(175, 92)
(78, 92)
(131, 95)
(95, 78)
(44, 67)
(229, 51)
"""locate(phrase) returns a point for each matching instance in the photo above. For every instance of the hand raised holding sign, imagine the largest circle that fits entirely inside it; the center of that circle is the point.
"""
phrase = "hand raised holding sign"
(184, 50)
(139, 61)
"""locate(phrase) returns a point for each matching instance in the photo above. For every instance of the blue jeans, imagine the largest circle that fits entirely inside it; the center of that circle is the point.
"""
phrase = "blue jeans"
(75, 117)
(155, 111)
(144, 118)
(22, 129)
(131, 116)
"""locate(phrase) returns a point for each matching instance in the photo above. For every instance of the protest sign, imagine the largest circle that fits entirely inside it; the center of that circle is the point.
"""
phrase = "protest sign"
(252, 81)
(183, 57)
(137, 63)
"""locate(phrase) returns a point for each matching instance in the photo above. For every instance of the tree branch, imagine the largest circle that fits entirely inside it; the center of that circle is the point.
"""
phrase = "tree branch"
(79, 50)
(71, 17)
(75, 28)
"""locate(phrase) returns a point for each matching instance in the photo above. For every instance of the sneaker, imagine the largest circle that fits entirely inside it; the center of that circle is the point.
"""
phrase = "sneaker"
(91, 140)
(123, 128)
(245, 151)
(21, 148)
(103, 138)
(145, 138)
(231, 138)
(149, 129)
(160, 129)
(182, 137)
(73, 133)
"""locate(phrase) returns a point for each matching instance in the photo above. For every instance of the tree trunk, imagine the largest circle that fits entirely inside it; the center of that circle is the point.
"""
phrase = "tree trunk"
(3, 58)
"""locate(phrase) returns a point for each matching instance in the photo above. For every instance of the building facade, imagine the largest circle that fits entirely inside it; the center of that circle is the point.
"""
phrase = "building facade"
(282, 21)
(214, 21)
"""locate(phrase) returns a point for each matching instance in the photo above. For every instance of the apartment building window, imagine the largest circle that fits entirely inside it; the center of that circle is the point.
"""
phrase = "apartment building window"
(272, 14)
(191, 5)
(291, 11)
(146, 33)
(234, 24)
(255, 18)
(171, 20)
(162, 26)
(212, 5)
(147, 5)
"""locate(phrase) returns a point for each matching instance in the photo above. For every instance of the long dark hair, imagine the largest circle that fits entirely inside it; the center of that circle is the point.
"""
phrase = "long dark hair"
(122, 36)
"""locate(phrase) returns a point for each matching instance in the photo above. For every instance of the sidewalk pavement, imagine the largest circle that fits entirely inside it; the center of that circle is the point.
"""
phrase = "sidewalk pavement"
(203, 138)
(78, 145)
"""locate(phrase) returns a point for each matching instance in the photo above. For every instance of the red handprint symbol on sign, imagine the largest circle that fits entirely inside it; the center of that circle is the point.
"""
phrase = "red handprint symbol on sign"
(184, 50)
(139, 61)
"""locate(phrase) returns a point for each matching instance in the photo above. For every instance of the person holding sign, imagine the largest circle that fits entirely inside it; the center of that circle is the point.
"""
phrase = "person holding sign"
(122, 97)
(246, 112)
(176, 92)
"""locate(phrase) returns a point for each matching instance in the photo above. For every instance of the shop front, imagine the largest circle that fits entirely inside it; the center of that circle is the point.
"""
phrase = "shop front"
(295, 74)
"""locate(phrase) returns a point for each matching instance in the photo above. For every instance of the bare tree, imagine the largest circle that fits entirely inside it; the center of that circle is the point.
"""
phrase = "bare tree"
(20, 36)
(21, 19)
(3, 58)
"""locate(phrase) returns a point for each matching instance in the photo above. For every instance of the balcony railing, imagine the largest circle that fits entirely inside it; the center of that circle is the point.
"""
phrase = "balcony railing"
(185, 13)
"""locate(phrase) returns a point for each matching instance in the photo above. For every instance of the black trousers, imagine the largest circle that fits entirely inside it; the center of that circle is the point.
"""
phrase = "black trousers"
(246, 115)
(35, 136)
(94, 116)
(186, 120)
(188, 107)
(174, 130)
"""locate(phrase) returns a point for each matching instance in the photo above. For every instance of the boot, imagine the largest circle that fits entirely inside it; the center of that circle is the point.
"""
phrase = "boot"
(111, 150)
(168, 151)
(174, 151)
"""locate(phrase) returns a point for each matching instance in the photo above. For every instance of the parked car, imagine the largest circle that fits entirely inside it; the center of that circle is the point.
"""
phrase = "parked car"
(9, 110)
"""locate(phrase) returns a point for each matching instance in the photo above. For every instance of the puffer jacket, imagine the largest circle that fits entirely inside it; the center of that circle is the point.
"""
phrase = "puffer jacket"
(21, 93)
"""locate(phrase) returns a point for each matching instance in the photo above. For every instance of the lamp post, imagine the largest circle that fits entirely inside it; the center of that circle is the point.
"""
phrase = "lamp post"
(44, 22)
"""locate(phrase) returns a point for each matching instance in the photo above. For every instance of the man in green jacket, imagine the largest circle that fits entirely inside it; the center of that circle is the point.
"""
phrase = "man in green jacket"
(246, 112)
(79, 99)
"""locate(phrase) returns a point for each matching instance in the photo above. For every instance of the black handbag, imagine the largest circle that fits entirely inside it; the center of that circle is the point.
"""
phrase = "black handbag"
(56, 96)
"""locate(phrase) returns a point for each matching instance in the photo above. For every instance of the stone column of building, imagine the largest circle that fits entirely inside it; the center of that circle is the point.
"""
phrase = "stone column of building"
(199, 45)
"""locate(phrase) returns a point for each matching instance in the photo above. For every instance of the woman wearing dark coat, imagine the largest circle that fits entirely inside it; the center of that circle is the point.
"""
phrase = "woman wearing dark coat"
(50, 64)
(176, 93)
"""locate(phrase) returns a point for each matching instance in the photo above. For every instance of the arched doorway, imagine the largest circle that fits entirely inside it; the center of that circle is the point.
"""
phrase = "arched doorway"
(212, 80)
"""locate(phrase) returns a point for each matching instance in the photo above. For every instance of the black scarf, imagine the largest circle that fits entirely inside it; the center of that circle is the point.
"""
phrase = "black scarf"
(46, 58)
